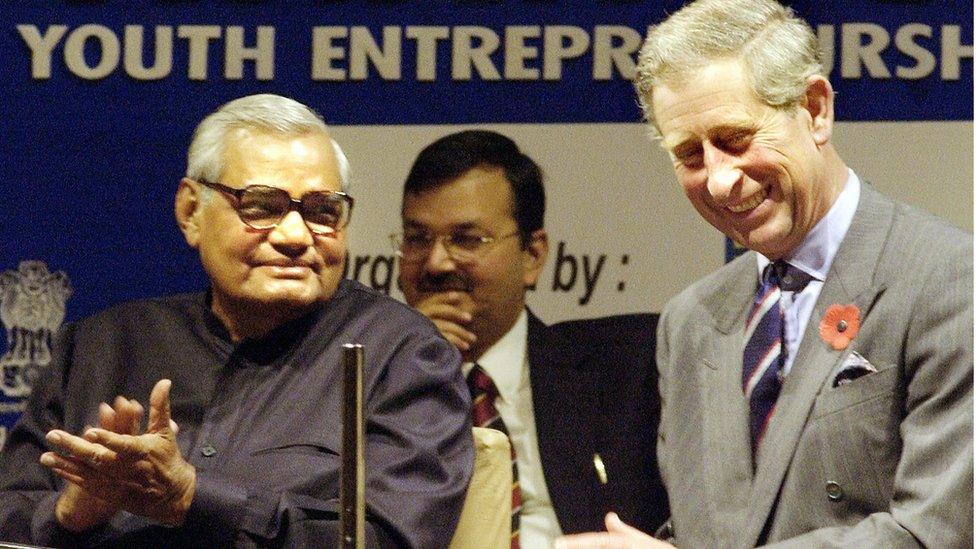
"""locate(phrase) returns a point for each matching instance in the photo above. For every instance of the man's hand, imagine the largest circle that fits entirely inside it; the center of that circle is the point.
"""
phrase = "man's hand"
(143, 474)
(617, 536)
(78, 510)
(448, 312)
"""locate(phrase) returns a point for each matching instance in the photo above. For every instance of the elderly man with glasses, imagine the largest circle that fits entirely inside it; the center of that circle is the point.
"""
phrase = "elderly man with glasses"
(577, 399)
(243, 384)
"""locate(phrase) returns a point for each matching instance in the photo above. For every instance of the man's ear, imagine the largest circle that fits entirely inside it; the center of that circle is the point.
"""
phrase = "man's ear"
(187, 209)
(819, 104)
(534, 256)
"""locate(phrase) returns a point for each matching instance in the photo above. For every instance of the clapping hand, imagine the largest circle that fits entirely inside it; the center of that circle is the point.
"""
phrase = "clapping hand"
(114, 467)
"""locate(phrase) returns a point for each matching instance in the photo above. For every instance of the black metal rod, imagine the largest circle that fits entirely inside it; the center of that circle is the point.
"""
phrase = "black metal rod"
(352, 486)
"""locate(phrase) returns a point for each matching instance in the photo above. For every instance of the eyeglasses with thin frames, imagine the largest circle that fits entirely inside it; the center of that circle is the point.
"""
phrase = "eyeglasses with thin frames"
(262, 207)
(415, 246)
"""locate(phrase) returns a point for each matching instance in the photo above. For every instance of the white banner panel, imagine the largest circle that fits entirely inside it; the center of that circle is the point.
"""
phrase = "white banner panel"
(623, 236)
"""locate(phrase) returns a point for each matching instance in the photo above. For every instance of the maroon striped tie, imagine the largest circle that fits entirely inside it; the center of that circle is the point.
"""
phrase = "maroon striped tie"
(484, 414)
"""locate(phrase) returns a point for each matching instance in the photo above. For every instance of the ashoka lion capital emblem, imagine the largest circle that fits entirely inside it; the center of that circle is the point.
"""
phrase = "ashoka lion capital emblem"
(31, 309)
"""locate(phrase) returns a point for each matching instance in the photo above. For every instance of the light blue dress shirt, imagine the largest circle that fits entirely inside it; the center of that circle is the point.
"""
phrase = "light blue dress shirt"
(814, 257)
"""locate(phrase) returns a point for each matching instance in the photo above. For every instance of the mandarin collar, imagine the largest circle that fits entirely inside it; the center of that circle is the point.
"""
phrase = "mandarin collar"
(274, 344)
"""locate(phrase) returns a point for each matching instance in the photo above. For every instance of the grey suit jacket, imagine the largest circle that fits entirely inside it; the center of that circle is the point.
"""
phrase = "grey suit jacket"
(884, 461)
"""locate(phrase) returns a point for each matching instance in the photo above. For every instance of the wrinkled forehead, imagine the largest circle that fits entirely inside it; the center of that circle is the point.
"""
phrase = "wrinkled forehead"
(277, 159)
(717, 95)
(296, 144)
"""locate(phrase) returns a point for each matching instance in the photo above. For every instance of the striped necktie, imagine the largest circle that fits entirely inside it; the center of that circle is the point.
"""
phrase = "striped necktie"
(484, 414)
(765, 353)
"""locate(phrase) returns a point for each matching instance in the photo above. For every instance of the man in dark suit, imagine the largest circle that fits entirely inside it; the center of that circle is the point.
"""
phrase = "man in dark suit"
(246, 453)
(817, 391)
(577, 399)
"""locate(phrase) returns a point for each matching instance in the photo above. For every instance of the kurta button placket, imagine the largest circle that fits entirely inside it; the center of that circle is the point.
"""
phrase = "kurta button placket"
(834, 491)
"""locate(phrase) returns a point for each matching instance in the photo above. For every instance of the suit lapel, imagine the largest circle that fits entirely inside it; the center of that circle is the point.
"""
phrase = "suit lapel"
(850, 280)
(565, 418)
(726, 425)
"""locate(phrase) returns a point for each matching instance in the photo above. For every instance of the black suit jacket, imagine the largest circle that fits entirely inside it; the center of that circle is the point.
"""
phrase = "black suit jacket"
(594, 391)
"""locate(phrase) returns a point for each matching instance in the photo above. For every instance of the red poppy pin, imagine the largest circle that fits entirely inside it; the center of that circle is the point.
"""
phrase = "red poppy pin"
(840, 325)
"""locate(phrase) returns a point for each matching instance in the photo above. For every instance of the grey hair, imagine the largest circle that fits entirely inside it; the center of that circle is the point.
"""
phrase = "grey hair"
(268, 112)
(779, 50)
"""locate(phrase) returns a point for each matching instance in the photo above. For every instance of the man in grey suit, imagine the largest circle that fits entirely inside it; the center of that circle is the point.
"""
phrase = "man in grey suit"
(816, 391)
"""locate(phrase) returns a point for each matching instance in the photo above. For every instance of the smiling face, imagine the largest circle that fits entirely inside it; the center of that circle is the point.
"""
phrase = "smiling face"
(281, 272)
(761, 175)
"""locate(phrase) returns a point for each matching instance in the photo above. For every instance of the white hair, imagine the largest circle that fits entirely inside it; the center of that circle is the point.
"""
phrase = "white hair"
(268, 112)
(778, 49)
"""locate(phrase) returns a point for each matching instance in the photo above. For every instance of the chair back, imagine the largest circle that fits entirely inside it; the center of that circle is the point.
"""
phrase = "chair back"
(486, 517)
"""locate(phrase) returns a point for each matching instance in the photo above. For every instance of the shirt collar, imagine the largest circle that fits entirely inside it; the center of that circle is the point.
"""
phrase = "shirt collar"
(278, 342)
(504, 361)
(815, 254)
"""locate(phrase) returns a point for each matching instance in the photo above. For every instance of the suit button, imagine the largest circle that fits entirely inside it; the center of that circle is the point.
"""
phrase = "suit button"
(834, 491)
(208, 451)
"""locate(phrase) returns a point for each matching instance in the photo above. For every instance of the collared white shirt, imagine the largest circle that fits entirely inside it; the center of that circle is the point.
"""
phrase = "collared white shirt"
(814, 256)
(507, 363)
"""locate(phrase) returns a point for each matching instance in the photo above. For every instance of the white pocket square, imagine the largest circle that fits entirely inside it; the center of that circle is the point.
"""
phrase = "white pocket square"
(854, 366)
